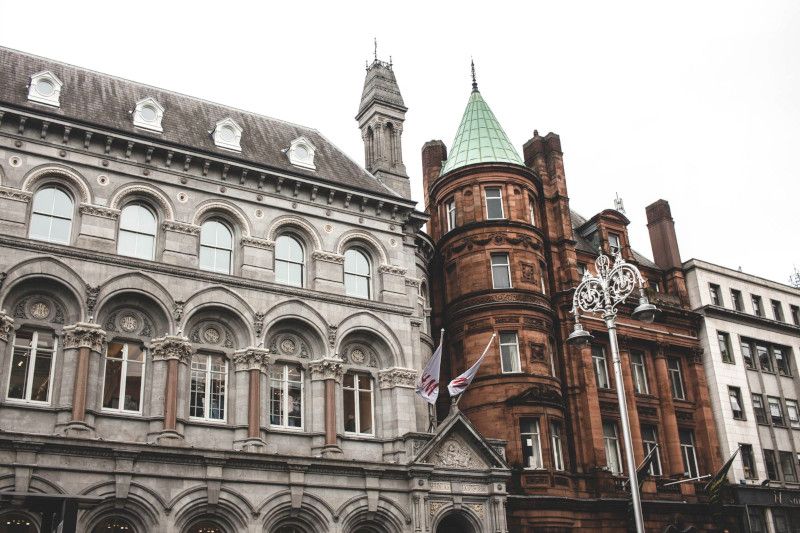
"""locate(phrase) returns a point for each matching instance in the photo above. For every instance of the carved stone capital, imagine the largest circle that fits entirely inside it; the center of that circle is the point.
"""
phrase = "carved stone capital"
(257, 242)
(181, 227)
(15, 194)
(84, 335)
(99, 211)
(6, 326)
(328, 257)
(413, 282)
(172, 347)
(251, 359)
(327, 368)
(397, 377)
(392, 269)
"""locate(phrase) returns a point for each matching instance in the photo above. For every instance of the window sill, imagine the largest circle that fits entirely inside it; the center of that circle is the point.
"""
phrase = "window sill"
(287, 430)
(207, 422)
(359, 436)
(27, 403)
(729, 362)
(121, 413)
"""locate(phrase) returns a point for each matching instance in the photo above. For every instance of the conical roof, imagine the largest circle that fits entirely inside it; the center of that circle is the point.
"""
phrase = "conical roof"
(480, 138)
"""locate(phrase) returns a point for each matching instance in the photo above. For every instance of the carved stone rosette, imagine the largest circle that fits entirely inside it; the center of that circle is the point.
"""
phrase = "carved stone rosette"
(397, 377)
(6, 326)
(84, 335)
(327, 368)
(172, 347)
(251, 359)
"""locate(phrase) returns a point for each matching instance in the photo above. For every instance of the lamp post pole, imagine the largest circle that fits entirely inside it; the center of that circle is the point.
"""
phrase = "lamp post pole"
(602, 294)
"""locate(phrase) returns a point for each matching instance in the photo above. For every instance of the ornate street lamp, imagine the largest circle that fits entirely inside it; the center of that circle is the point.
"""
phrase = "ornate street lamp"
(602, 294)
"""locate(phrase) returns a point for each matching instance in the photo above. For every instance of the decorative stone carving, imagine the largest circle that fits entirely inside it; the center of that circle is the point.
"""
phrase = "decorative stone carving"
(181, 227)
(91, 298)
(40, 310)
(99, 211)
(453, 453)
(538, 394)
(440, 486)
(40, 307)
(332, 335)
(212, 332)
(289, 344)
(328, 257)
(473, 488)
(435, 507)
(6, 326)
(360, 355)
(172, 347)
(177, 310)
(258, 322)
(251, 359)
(413, 282)
(527, 272)
(84, 335)
(15, 194)
(257, 242)
(470, 243)
(478, 509)
(397, 377)
(392, 269)
(327, 368)
(537, 351)
(128, 323)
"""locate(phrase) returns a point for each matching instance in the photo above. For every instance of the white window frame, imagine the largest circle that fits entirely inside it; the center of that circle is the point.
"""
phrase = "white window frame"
(532, 209)
(517, 364)
(137, 232)
(649, 445)
(615, 440)
(357, 403)
(639, 371)
(368, 276)
(302, 263)
(140, 122)
(294, 155)
(595, 365)
(450, 213)
(230, 250)
(508, 269)
(31, 366)
(34, 95)
(734, 399)
(123, 378)
(500, 198)
(614, 248)
(51, 216)
(207, 392)
(284, 425)
(538, 434)
(792, 404)
(556, 444)
(685, 450)
(228, 144)
(676, 372)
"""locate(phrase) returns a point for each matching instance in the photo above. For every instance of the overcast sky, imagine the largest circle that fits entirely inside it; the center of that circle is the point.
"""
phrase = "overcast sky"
(697, 102)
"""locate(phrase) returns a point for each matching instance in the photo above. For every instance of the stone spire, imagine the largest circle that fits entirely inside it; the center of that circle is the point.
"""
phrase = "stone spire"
(380, 117)
(480, 138)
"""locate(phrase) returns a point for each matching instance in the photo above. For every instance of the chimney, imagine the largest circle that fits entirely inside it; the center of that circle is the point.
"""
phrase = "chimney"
(433, 154)
(664, 243)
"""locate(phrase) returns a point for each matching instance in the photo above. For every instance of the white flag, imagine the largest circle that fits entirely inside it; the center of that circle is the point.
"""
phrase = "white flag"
(428, 384)
(460, 384)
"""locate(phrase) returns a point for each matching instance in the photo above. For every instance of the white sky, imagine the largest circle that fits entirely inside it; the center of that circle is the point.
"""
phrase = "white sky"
(694, 102)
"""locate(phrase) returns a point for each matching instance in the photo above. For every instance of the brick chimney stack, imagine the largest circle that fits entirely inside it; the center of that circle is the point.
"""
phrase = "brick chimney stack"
(433, 154)
(664, 243)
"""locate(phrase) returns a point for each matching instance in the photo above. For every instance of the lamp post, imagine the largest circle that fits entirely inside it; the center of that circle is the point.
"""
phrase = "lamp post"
(602, 294)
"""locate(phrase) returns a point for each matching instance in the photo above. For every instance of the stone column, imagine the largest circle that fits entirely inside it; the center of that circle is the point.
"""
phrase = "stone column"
(397, 406)
(630, 396)
(171, 351)
(328, 370)
(88, 339)
(249, 365)
(669, 421)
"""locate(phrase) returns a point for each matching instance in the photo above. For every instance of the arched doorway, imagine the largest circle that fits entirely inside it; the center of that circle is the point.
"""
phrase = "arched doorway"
(455, 523)
(114, 525)
(17, 523)
(205, 526)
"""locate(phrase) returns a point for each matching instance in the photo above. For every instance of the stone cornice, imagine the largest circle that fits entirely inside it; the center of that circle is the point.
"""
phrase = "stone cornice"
(748, 319)
(181, 227)
(397, 377)
(6, 326)
(327, 368)
(84, 335)
(99, 211)
(172, 347)
(251, 359)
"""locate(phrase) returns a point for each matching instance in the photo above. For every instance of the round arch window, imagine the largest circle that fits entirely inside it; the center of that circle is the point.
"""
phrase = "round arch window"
(216, 246)
(357, 273)
(114, 525)
(148, 113)
(289, 261)
(51, 218)
(205, 527)
(137, 231)
(45, 87)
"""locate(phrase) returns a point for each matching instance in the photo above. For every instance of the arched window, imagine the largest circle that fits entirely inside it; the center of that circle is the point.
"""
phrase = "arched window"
(216, 246)
(356, 274)
(289, 259)
(17, 523)
(51, 219)
(137, 232)
(206, 527)
(114, 525)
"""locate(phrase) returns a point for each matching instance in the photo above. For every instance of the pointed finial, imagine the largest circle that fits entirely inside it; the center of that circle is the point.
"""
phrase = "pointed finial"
(474, 81)
(375, 51)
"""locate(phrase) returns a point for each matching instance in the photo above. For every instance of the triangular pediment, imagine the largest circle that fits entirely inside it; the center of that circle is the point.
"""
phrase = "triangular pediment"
(458, 445)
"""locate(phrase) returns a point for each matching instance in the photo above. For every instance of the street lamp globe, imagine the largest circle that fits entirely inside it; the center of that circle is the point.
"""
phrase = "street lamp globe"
(645, 311)
(579, 336)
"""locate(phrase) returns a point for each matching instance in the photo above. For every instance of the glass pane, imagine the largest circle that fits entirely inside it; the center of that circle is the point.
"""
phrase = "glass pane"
(43, 200)
(349, 380)
(276, 397)
(288, 249)
(19, 371)
(135, 352)
(41, 376)
(295, 415)
(349, 410)
(494, 207)
(206, 258)
(295, 275)
(133, 386)
(126, 244)
(356, 286)
(112, 383)
(223, 261)
(356, 262)
(294, 374)
(281, 272)
(59, 230)
(40, 227)
(365, 411)
(198, 391)
(145, 245)
(500, 277)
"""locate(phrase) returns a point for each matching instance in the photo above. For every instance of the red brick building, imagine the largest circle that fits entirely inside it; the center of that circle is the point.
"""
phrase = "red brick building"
(509, 252)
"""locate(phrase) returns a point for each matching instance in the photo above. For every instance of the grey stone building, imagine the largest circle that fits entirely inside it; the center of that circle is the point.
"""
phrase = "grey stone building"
(212, 321)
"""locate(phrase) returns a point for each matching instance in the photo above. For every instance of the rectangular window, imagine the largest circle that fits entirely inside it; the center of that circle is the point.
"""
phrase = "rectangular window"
(494, 203)
(781, 361)
(209, 382)
(758, 409)
(450, 207)
(532, 209)
(32, 365)
(124, 376)
(676, 378)
(556, 445)
(501, 271)
(688, 451)
(748, 461)
(286, 396)
(735, 396)
(509, 352)
(654, 286)
(795, 312)
(758, 310)
(582, 269)
(543, 276)
(736, 298)
(775, 411)
(772, 467)
(650, 442)
(764, 360)
(614, 243)
(611, 443)
(777, 310)
(747, 355)
(531, 443)
(714, 292)
(639, 372)
(787, 467)
(793, 412)
(724, 341)
(358, 415)
(600, 366)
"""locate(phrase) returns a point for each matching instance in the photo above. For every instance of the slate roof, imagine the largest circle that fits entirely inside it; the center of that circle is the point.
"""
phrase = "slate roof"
(584, 245)
(104, 101)
(380, 85)
(480, 138)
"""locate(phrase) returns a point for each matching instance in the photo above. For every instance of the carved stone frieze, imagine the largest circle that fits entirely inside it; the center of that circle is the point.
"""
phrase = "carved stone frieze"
(537, 351)
(257, 242)
(413, 282)
(435, 507)
(397, 377)
(84, 335)
(99, 211)
(478, 509)
(15, 194)
(454, 453)
(6, 326)
(289, 344)
(328, 257)
(172, 347)
(327, 368)
(181, 227)
(470, 243)
(392, 269)
(440, 486)
(251, 359)
(527, 272)
(474, 488)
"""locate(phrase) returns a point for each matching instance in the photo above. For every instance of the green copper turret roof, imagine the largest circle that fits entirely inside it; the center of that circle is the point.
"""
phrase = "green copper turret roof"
(480, 138)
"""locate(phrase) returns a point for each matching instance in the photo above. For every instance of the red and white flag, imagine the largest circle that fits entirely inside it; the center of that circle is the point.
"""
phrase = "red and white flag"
(460, 384)
(428, 384)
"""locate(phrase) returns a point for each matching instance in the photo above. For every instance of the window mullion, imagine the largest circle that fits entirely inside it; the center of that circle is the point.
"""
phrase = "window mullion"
(123, 377)
(207, 402)
(285, 387)
(31, 365)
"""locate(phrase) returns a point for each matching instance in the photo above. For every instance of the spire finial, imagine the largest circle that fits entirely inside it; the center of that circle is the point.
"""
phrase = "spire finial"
(474, 82)
(375, 50)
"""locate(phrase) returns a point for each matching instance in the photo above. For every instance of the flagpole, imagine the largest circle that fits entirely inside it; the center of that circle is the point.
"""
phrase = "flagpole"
(454, 400)
(433, 421)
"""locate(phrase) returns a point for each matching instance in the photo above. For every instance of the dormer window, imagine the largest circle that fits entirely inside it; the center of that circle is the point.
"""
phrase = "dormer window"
(148, 115)
(614, 243)
(228, 134)
(301, 153)
(45, 88)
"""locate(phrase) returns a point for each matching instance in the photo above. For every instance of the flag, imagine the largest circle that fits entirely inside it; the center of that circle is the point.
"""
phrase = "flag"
(428, 384)
(714, 485)
(644, 469)
(460, 384)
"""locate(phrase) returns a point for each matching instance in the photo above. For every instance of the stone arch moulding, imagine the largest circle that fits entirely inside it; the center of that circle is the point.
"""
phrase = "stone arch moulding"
(373, 244)
(357, 508)
(467, 511)
(39, 173)
(370, 323)
(142, 508)
(297, 310)
(308, 230)
(225, 208)
(138, 283)
(226, 506)
(313, 510)
(49, 268)
(145, 190)
(218, 296)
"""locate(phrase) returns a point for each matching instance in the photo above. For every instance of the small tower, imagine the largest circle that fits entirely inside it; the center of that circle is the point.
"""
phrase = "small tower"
(380, 117)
